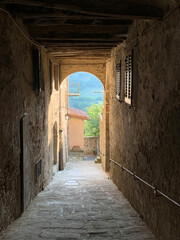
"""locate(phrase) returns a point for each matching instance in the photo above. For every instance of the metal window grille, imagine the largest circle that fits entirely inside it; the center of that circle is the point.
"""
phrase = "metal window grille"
(37, 72)
(118, 80)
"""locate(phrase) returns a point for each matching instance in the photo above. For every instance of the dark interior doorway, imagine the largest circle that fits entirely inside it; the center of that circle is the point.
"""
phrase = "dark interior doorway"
(25, 167)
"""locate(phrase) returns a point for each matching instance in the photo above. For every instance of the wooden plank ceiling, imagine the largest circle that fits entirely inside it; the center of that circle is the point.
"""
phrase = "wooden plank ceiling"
(81, 28)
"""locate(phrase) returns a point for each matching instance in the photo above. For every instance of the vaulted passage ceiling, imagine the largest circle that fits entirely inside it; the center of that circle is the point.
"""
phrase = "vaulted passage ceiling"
(81, 28)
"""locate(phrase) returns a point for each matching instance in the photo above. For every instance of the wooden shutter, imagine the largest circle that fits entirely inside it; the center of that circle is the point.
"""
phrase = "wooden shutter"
(56, 76)
(128, 78)
(50, 75)
(37, 73)
(118, 80)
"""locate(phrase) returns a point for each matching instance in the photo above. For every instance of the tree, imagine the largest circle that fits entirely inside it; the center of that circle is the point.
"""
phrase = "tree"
(91, 126)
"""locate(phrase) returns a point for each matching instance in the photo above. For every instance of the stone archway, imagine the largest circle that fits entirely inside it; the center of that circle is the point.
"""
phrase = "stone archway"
(97, 68)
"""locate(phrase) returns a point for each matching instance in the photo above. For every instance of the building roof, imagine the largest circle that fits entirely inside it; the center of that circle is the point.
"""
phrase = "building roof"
(77, 113)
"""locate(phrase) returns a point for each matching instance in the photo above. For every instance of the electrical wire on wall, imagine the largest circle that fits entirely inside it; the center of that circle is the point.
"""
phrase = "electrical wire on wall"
(21, 31)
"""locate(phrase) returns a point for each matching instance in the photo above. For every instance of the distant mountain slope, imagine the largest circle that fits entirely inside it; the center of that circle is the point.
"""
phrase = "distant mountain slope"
(91, 90)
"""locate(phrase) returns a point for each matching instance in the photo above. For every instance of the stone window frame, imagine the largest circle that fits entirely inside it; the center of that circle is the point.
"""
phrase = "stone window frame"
(128, 78)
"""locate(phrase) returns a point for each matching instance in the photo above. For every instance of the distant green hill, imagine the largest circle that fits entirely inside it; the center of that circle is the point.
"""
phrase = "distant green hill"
(91, 90)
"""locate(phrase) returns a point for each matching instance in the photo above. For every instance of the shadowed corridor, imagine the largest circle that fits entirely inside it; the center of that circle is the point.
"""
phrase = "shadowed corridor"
(133, 48)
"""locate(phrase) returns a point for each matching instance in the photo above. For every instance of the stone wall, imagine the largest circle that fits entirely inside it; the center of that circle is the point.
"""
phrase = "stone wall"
(90, 144)
(17, 97)
(144, 137)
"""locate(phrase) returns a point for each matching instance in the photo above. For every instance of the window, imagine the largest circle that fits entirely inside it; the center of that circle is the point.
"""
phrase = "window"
(50, 75)
(56, 76)
(55, 143)
(37, 74)
(118, 81)
(128, 78)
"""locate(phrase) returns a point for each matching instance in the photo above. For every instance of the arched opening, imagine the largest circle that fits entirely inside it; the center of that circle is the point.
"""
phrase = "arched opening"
(90, 90)
(98, 70)
(81, 103)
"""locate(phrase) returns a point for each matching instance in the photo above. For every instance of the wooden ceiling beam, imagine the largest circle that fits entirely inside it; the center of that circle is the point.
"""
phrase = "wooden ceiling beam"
(78, 39)
(81, 43)
(86, 56)
(77, 23)
(64, 49)
(105, 37)
(84, 51)
(83, 56)
(125, 9)
(79, 29)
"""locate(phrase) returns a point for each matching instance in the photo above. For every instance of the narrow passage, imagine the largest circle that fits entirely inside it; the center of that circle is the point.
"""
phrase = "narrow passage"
(80, 203)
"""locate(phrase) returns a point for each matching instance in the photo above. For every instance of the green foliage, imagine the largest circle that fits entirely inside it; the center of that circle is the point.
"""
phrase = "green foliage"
(91, 126)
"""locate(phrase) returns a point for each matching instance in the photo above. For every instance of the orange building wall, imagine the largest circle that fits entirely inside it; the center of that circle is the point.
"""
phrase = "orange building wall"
(76, 132)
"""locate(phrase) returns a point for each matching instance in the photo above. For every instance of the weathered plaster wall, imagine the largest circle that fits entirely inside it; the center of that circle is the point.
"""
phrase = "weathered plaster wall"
(145, 138)
(90, 144)
(17, 97)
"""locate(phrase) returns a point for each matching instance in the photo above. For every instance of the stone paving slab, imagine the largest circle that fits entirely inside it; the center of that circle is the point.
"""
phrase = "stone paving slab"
(80, 203)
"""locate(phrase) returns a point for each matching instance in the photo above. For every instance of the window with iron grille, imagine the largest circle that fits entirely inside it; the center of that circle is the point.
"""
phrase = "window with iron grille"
(128, 78)
(37, 70)
(50, 75)
(118, 80)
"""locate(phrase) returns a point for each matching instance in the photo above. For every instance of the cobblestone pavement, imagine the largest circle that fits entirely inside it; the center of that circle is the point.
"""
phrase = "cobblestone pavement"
(80, 203)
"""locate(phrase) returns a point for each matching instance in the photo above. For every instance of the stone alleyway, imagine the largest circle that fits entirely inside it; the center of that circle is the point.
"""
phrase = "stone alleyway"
(80, 203)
